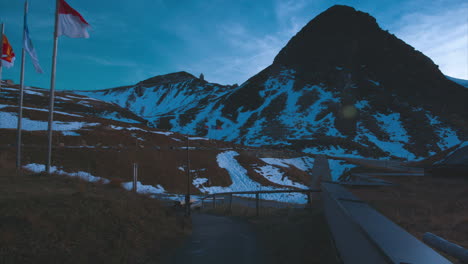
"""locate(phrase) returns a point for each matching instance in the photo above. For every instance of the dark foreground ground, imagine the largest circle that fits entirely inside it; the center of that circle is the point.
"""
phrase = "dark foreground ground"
(424, 204)
(55, 219)
(421, 204)
(296, 236)
(219, 239)
(285, 236)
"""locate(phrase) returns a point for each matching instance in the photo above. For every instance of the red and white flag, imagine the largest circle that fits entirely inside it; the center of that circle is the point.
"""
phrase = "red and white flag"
(8, 56)
(71, 23)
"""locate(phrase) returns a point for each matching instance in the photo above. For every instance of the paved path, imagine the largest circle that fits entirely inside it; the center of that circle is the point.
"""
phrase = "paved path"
(218, 239)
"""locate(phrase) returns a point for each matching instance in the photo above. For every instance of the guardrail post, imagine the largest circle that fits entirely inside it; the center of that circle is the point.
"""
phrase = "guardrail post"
(230, 203)
(202, 203)
(135, 177)
(214, 201)
(257, 201)
(309, 198)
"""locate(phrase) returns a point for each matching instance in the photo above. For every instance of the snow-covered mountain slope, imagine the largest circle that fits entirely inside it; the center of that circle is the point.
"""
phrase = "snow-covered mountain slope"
(341, 86)
(36, 102)
(164, 97)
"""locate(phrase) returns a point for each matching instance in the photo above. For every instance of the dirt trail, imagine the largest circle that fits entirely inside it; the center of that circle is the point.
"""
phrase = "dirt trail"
(218, 239)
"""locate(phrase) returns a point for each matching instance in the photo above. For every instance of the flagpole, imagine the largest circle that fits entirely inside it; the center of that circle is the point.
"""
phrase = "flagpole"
(20, 110)
(52, 90)
(1, 52)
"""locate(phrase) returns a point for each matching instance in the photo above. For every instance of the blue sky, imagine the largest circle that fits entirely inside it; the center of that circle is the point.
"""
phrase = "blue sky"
(227, 41)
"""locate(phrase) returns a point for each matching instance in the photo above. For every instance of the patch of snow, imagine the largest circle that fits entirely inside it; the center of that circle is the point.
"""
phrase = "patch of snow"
(241, 182)
(85, 103)
(392, 125)
(9, 121)
(198, 138)
(31, 92)
(162, 133)
(140, 129)
(37, 168)
(338, 167)
(62, 98)
(144, 189)
(362, 104)
(115, 116)
(42, 110)
(3, 106)
(141, 188)
(433, 120)
(70, 133)
(199, 181)
(55, 112)
(137, 137)
(9, 89)
(274, 175)
(394, 148)
(333, 150)
(448, 138)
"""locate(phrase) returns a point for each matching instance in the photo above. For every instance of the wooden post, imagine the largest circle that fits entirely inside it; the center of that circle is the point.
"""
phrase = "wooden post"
(309, 198)
(214, 201)
(257, 203)
(202, 203)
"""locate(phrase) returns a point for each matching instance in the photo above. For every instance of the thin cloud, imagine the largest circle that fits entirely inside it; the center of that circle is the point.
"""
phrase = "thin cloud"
(251, 54)
(250, 51)
(285, 9)
(443, 37)
(115, 62)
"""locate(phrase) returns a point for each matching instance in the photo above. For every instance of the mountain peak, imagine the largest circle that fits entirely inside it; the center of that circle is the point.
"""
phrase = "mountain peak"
(340, 8)
(174, 77)
(333, 36)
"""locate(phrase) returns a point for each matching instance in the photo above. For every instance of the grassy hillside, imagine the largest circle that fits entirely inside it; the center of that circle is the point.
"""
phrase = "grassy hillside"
(55, 219)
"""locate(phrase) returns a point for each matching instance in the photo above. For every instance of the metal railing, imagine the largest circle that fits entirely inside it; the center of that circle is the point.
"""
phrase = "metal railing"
(257, 197)
(361, 234)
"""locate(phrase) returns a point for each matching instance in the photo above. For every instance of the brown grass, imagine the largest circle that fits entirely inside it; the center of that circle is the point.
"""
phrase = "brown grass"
(424, 204)
(54, 219)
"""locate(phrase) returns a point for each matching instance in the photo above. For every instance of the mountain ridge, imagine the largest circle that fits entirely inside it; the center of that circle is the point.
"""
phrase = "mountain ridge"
(341, 83)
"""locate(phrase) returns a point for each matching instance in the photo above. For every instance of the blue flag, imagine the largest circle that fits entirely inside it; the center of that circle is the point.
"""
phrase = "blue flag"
(28, 46)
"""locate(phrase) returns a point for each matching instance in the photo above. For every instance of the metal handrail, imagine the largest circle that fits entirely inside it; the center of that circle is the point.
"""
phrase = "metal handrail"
(266, 191)
(257, 196)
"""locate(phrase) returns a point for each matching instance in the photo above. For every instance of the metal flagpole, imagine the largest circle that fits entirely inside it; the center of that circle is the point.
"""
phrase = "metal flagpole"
(52, 90)
(1, 52)
(187, 196)
(20, 110)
